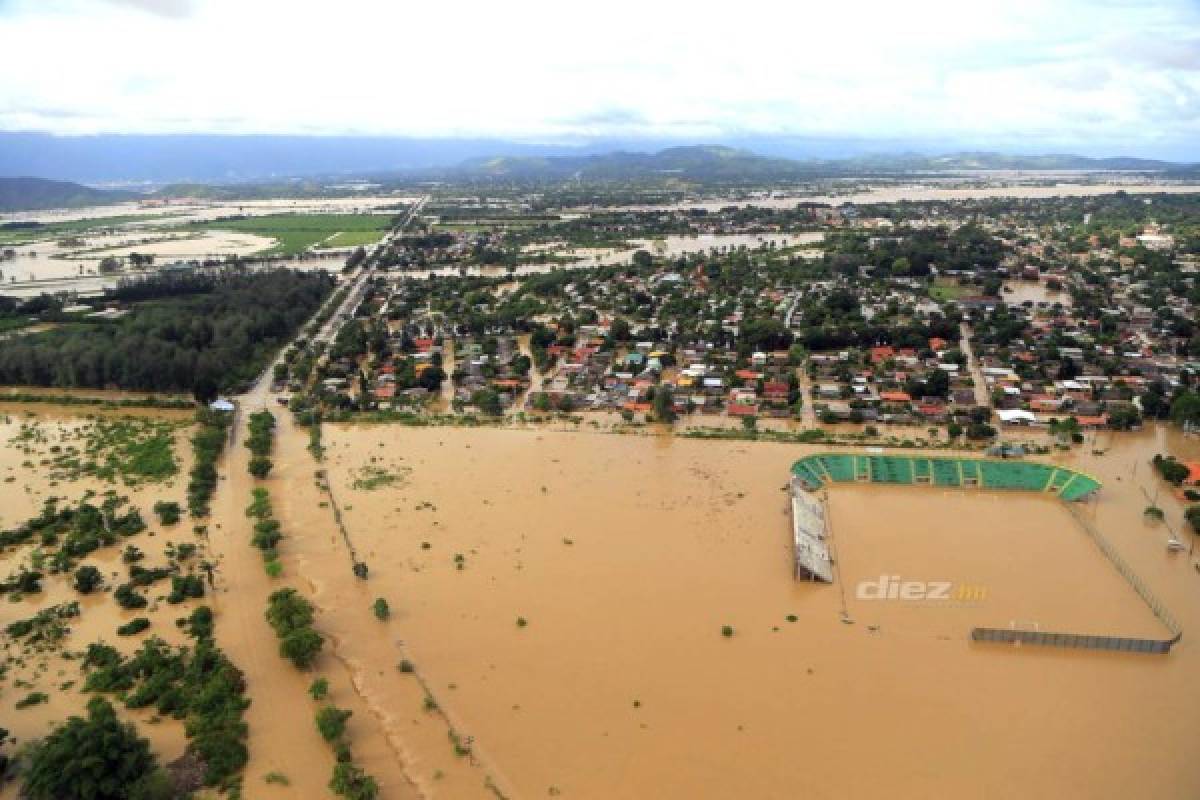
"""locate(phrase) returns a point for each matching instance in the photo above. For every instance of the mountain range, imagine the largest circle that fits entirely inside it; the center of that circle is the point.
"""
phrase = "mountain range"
(713, 164)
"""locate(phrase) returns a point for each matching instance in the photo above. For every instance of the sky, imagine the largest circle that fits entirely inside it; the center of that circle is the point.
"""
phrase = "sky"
(1100, 77)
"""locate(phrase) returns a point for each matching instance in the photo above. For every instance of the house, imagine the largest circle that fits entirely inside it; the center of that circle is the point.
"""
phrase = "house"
(1193, 477)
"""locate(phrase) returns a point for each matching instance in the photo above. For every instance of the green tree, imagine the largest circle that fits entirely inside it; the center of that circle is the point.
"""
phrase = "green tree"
(380, 609)
(664, 404)
(1186, 408)
(260, 466)
(487, 401)
(301, 647)
(352, 783)
(96, 758)
(88, 579)
(331, 722)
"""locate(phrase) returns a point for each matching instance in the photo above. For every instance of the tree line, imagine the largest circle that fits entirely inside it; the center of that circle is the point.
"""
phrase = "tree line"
(181, 333)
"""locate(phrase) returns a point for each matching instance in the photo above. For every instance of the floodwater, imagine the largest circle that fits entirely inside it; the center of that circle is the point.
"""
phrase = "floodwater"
(675, 245)
(1017, 292)
(588, 257)
(184, 210)
(924, 192)
(49, 260)
(626, 555)
(26, 484)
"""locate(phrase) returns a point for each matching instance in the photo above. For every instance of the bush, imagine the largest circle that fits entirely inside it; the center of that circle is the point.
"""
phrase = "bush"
(381, 609)
(31, 699)
(331, 722)
(200, 624)
(291, 616)
(88, 580)
(352, 783)
(301, 647)
(1170, 469)
(126, 597)
(185, 586)
(727, 631)
(133, 627)
(168, 512)
(318, 689)
(260, 466)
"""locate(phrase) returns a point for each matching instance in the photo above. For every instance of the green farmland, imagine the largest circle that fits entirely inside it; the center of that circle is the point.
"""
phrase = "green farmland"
(295, 233)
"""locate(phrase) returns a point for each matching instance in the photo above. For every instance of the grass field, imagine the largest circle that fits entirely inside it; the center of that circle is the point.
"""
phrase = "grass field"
(353, 238)
(295, 233)
(942, 290)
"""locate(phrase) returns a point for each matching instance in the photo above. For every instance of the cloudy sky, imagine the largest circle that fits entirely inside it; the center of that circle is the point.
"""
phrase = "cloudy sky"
(1098, 76)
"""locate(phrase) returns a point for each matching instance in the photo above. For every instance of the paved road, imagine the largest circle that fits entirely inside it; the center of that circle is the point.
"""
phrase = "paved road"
(259, 395)
(983, 397)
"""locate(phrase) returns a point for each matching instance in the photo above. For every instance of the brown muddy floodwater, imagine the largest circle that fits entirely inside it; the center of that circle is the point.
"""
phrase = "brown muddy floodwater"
(31, 436)
(625, 556)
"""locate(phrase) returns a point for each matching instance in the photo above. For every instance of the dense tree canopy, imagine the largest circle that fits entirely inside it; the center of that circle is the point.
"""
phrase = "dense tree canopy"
(218, 328)
(90, 759)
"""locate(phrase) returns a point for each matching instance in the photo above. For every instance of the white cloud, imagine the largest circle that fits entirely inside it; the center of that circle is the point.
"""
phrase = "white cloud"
(539, 69)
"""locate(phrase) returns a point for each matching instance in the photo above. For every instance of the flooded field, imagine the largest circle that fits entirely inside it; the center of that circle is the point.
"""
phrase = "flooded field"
(1017, 292)
(674, 246)
(50, 260)
(559, 598)
(564, 595)
(192, 210)
(37, 463)
(932, 192)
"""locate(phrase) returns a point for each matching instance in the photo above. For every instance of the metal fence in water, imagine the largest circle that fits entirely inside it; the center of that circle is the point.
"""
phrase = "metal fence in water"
(1121, 644)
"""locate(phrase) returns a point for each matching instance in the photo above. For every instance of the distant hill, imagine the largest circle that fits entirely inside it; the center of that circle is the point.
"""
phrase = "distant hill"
(33, 194)
(710, 162)
(695, 162)
(1000, 161)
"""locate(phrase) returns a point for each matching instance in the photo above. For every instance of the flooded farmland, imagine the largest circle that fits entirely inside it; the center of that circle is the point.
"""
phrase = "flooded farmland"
(559, 600)
(625, 556)
(38, 463)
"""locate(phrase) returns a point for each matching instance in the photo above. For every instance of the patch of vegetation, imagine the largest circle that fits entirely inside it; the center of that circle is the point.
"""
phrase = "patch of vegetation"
(87, 579)
(168, 512)
(133, 627)
(331, 722)
(67, 533)
(262, 435)
(296, 233)
(198, 685)
(92, 758)
(291, 617)
(267, 533)
(351, 782)
(46, 628)
(370, 477)
(1171, 470)
(207, 444)
(31, 699)
(195, 332)
(380, 609)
